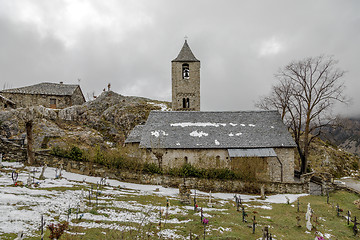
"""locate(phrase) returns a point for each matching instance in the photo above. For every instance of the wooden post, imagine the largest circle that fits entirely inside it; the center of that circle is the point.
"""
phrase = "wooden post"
(30, 142)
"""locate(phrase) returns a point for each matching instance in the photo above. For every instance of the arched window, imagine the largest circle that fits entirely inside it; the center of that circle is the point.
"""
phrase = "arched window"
(184, 102)
(186, 160)
(185, 71)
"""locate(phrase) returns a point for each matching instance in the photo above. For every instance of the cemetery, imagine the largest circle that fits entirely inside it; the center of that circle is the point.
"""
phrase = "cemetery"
(51, 203)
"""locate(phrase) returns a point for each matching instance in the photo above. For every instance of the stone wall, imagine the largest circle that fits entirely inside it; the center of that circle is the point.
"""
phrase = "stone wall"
(77, 98)
(275, 169)
(287, 158)
(12, 151)
(28, 100)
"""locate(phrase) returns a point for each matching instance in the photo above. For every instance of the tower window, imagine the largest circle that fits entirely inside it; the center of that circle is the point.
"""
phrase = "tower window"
(186, 103)
(185, 71)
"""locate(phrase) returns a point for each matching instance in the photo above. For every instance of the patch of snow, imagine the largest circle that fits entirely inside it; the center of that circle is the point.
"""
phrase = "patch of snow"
(233, 124)
(243, 125)
(272, 126)
(197, 124)
(238, 134)
(251, 125)
(198, 134)
(157, 133)
(161, 105)
(263, 207)
(217, 142)
(231, 134)
(177, 144)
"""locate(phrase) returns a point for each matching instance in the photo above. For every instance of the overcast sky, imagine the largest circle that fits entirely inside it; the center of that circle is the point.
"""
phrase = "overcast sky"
(130, 44)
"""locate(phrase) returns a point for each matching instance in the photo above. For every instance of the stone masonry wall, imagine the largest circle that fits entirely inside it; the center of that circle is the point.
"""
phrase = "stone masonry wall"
(286, 156)
(185, 88)
(77, 98)
(28, 100)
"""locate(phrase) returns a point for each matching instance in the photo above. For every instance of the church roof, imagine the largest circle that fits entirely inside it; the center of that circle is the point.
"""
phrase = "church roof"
(135, 134)
(185, 54)
(191, 130)
(45, 88)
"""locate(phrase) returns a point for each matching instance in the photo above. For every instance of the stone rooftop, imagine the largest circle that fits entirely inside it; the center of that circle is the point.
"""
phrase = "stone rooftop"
(46, 88)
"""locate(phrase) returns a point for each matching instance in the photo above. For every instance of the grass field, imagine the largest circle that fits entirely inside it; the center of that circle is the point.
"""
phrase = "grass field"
(132, 211)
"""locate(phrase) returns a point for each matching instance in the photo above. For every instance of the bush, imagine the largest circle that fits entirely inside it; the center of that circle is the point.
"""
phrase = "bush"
(152, 168)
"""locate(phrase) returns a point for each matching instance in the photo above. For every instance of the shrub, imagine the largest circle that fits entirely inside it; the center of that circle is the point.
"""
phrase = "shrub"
(152, 168)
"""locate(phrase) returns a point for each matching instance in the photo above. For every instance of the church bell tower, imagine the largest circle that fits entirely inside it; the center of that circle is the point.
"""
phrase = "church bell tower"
(185, 77)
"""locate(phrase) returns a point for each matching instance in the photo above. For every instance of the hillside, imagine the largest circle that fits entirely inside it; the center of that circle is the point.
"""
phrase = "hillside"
(107, 120)
(346, 134)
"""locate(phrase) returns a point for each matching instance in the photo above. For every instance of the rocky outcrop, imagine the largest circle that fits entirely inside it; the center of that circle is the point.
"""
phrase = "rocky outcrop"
(107, 120)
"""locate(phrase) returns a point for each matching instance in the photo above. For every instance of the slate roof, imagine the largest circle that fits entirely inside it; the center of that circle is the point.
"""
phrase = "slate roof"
(185, 55)
(135, 134)
(45, 89)
(184, 130)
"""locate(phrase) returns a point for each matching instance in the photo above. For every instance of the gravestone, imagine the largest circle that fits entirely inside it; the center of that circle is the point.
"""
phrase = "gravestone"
(1, 157)
(14, 176)
(42, 177)
(265, 235)
(210, 203)
(308, 217)
(262, 191)
(28, 181)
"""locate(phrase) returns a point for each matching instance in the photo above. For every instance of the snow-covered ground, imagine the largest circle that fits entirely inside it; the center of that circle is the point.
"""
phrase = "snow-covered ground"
(21, 207)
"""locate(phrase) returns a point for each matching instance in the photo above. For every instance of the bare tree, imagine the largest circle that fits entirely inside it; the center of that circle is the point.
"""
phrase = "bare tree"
(304, 96)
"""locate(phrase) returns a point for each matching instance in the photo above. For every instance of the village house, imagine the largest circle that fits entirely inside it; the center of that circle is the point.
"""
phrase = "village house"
(253, 142)
(50, 95)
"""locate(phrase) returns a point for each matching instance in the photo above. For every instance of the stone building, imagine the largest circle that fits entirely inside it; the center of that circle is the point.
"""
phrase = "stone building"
(253, 142)
(185, 74)
(50, 95)
(6, 103)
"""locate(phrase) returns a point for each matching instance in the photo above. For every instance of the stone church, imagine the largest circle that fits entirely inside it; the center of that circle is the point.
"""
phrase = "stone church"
(252, 142)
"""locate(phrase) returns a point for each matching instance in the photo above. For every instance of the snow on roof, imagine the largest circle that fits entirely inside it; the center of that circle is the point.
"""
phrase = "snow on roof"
(179, 129)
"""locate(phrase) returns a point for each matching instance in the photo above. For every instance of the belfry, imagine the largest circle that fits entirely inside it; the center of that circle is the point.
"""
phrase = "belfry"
(185, 75)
